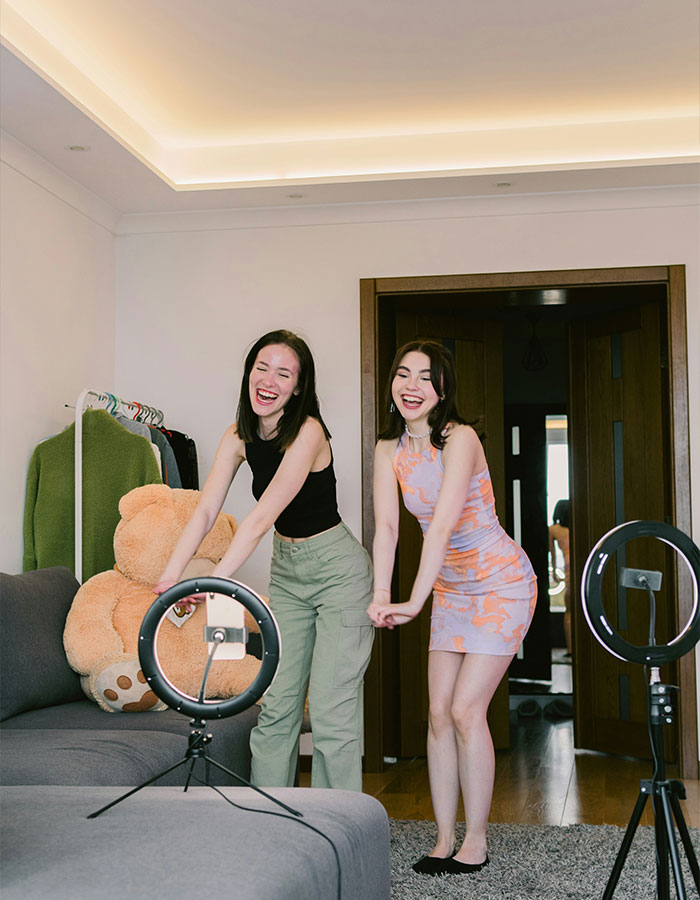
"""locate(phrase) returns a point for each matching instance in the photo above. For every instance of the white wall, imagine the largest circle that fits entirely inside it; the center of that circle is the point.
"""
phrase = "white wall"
(56, 317)
(194, 291)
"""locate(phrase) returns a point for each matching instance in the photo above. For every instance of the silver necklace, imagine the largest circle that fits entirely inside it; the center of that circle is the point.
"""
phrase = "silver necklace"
(416, 436)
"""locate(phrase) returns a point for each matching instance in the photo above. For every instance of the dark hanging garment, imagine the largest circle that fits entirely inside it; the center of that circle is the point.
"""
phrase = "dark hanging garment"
(185, 451)
(165, 456)
(169, 467)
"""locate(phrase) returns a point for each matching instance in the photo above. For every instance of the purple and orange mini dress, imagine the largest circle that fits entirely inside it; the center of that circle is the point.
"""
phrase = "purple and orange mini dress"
(484, 597)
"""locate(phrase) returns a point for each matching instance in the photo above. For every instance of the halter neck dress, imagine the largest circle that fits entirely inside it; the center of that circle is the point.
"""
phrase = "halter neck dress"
(485, 594)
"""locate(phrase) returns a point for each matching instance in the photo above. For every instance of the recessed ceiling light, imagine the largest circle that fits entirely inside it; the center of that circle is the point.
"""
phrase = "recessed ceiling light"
(77, 148)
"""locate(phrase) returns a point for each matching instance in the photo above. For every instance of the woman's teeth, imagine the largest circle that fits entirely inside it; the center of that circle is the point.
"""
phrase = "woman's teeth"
(411, 402)
(266, 397)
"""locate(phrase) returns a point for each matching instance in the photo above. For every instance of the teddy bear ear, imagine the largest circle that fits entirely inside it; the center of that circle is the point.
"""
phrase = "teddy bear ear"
(141, 497)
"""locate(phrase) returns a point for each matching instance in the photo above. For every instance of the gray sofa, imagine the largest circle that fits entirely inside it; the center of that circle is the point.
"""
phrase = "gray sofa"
(50, 733)
(63, 758)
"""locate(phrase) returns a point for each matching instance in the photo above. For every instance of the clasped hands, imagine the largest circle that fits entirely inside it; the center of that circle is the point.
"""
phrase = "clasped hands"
(385, 614)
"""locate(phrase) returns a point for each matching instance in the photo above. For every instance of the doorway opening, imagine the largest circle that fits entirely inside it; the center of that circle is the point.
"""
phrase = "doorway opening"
(558, 508)
(499, 327)
(553, 692)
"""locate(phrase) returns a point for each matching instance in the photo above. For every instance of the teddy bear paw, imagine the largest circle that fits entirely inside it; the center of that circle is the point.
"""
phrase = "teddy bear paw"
(122, 687)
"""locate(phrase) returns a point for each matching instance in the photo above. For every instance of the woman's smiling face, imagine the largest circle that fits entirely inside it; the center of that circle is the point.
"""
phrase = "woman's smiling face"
(273, 380)
(412, 390)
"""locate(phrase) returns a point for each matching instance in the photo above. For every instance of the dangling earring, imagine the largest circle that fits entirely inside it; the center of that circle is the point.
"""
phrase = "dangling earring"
(392, 408)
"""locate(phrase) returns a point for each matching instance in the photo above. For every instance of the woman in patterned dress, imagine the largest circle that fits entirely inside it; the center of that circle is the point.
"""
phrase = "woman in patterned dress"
(484, 589)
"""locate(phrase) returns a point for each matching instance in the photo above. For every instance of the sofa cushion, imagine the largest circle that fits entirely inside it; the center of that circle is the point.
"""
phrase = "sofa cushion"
(80, 757)
(230, 745)
(34, 671)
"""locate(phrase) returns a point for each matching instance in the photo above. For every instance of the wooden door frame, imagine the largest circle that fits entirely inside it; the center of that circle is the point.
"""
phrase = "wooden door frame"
(372, 292)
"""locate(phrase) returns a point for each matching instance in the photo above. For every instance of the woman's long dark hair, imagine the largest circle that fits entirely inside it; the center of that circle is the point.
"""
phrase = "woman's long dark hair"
(300, 405)
(443, 379)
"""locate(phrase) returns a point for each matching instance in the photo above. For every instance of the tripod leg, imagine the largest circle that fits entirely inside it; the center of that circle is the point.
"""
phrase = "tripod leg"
(626, 843)
(129, 793)
(672, 847)
(663, 885)
(242, 780)
(189, 773)
(685, 838)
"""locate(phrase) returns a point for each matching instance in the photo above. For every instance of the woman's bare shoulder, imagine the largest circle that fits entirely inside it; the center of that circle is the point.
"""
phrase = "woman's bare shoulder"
(462, 443)
(231, 441)
(310, 435)
(386, 447)
(312, 427)
(459, 433)
(311, 438)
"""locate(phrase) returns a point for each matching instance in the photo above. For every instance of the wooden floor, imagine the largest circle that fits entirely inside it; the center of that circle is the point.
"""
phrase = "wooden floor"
(541, 780)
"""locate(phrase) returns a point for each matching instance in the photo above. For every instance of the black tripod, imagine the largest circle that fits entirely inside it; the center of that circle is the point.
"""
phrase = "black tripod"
(196, 749)
(664, 798)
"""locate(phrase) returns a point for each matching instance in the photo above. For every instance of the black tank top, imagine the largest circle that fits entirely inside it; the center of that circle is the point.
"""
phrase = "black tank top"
(315, 507)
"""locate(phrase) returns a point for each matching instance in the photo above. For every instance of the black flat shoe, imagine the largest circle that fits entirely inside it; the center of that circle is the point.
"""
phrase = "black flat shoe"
(455, 867)
(431, 865)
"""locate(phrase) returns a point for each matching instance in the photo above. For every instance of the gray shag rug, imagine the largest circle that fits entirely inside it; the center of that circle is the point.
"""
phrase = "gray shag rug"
(536, 862)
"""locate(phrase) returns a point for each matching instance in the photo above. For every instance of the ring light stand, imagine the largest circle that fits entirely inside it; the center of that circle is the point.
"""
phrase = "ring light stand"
(664, 794)
(199, 708)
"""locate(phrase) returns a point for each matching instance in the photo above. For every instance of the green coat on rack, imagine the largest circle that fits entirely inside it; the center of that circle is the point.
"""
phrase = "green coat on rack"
(114, 462)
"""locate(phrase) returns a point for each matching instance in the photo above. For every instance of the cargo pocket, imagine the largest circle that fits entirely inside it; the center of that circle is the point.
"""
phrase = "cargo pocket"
(355, 637)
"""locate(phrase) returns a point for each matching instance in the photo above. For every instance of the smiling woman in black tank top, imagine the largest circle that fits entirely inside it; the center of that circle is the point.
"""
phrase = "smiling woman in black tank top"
(320, 577)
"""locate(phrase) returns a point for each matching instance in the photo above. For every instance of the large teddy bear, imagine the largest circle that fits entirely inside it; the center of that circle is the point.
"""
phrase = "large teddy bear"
(102, 626)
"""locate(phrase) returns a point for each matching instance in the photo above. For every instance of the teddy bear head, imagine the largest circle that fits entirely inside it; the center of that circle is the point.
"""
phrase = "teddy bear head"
(152, 519)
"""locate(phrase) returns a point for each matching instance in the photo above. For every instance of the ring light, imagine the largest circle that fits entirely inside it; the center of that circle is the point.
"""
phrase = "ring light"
(665, 794)
(653, 655)
(165, 690)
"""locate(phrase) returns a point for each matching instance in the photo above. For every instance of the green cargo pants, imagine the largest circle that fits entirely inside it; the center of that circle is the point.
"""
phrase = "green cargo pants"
(319, 593)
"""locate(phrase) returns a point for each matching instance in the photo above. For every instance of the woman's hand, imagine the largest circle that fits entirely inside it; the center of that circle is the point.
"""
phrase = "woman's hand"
(380, 599)
(164, 585)
(188, 603)
(387, 615)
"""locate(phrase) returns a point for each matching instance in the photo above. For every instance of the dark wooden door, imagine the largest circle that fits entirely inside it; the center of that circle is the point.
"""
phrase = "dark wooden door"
(526, 520)
(619, 465)
(476, 347)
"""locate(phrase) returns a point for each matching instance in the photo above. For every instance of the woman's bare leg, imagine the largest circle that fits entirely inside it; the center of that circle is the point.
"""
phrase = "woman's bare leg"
(443, 766)
(479, 676)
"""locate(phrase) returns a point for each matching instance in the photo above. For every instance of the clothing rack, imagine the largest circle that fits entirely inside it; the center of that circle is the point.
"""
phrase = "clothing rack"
(89, 399)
